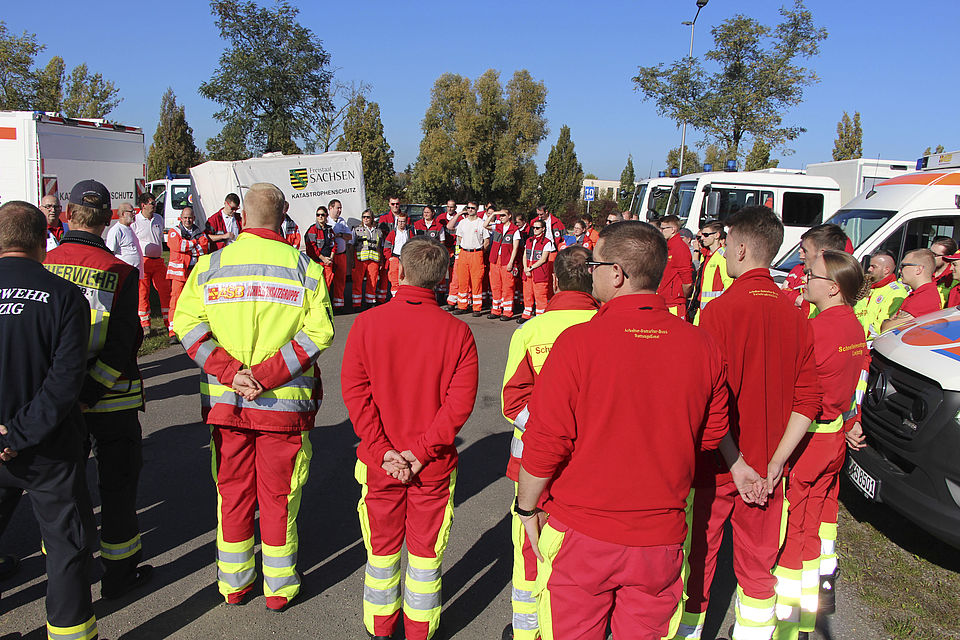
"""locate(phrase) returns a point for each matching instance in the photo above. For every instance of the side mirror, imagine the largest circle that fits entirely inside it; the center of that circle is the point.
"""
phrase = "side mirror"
(713, 204)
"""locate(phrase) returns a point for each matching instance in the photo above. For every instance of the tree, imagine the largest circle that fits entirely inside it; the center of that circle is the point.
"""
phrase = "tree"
(229, 144)
(479, 142)
(691, 161)
(330, 128)
(49, 96)
(628, 181)
(756, 82)
(18, 83)
(715, 156)
(173, 145)
(849, 142)
(88, 96)
(272, 82)
(562, 177)
(759, 157)
(363, 132)
(939, 149)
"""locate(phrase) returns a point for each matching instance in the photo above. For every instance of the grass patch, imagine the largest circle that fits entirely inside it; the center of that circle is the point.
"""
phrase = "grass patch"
(156, 342)
(908, 578)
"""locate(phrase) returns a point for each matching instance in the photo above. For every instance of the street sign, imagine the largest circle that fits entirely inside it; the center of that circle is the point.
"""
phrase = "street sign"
(588, 193)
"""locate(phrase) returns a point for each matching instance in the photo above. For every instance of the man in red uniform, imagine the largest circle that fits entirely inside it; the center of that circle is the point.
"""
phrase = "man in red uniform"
(813, 243)
(387, 222)
(186, 242)
(320, 243)
(528, 351)
(224, 226)
(289, 229)
(407, 462)
(342, 237)
(503, 260)
(916, 271)
(943, 276)
(148, 227)
(609, 554)
(677, 280)
(472, 241)
(772, 374)
(112, 393)
(50, 207)
(393, 248)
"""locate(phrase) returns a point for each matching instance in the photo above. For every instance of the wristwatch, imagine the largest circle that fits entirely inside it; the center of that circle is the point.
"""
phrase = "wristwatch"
(523, 512)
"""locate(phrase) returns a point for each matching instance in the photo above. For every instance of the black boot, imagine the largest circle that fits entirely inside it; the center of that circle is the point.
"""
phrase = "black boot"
(828, 594)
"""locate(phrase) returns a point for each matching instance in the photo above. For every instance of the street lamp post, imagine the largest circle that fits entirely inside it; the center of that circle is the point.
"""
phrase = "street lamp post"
(683, 131)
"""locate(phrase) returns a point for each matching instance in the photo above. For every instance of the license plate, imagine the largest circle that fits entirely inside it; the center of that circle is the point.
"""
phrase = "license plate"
(864, 481)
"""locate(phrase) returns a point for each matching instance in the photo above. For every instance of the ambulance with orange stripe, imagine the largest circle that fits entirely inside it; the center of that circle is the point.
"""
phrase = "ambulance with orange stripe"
(46, 154)
(911, 408)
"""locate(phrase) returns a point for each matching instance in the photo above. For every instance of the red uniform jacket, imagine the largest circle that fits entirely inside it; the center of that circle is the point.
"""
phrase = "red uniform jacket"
(841, 353)
(925, 299)
(290, 232)
(319, 241)
(508, 232)
(435, 230)
(185, 246)
(555, 231)
(771, 369)
(678, 272)
(533, 251)
(217, 226)
(623, 458)
(382, 355)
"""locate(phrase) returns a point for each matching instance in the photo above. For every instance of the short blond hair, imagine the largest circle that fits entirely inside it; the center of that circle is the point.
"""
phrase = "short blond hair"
(263, 205)
(425, 262)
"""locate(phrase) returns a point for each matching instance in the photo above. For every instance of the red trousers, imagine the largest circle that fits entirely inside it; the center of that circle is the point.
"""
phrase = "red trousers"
(267, 470)
(391, 513)
(383, 281)
(502, 282)
(176, 286)
(470, 271)
(589, 582)
(535, 293)
(453, 289)
(155, 273)
(339, 279)
(756, 541)
(328, 275)
(393, 274)
(365, 271)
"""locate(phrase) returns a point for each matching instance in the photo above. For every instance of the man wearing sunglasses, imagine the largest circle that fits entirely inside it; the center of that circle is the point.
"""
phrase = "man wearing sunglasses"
(712, 279)
(916, 271)
(472, 239)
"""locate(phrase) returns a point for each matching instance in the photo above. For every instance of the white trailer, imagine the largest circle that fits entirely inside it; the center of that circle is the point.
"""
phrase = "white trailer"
(45, 154)
(307, 181)
(860, 175)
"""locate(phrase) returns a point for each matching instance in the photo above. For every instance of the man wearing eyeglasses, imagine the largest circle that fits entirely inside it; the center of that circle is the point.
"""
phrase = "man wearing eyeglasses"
(624, 547)
(50, 206)
(943, 276)
(613, 217)
(472, 240)
(224, 226)
(916, 271)
(712, 279)
(148, 227)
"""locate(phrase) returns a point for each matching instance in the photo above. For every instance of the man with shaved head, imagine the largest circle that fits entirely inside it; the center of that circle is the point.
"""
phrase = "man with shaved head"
(261, 390)
(916, 271)
(886, 294)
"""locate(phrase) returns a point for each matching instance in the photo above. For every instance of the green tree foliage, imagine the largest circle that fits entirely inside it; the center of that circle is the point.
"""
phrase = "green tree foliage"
(479, 140)
(691, 161)
(79, 95)
(759, 157)
(939, 149)
(230, 143)
(562, 177)
(757, 80)
(272, 82)
(173, 145)
(628, 180)
(716, 156)
(363, 132)
(849, 142)
(329, 130)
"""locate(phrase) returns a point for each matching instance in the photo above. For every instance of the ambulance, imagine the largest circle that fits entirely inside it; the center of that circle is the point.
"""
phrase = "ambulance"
(46, 154)
(172, 194)
(799, 200)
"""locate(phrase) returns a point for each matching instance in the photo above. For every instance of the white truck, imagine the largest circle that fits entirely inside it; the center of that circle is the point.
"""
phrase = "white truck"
(861, 175)
(651, 197)
(172, 195)
(46, 154)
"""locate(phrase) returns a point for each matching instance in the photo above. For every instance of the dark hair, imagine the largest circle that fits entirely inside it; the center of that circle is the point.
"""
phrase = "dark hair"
(847, 272)
(330, 204)
(715, 227)
(826, 236)
(426, 206)
(144, 198)
(571, 269)
(640, 250)
(22, 226)
(760, 228)
(232, 198)
(322, 208)
(425, 262)
(947, 243)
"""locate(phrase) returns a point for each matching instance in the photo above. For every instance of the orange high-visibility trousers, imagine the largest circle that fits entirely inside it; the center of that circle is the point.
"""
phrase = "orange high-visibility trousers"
(176, 286)
(454, 289)
(393, 274)
(502, 282)
(365, 270)
(339, 279)
(155, 273)
(534, 293)
(470, 275)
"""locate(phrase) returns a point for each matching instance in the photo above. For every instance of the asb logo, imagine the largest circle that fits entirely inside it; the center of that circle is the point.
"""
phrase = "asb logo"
(298, 179)
(943, 334)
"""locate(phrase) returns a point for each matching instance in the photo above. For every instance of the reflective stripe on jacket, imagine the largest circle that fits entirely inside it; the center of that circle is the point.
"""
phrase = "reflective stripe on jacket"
(186, 245)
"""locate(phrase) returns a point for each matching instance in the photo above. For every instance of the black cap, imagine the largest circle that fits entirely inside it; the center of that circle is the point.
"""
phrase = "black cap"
(90, 193)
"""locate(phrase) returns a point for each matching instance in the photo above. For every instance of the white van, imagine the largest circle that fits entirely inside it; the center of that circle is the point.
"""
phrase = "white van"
(860, 175)
(800, 201)
(651, 198)
(172, 195)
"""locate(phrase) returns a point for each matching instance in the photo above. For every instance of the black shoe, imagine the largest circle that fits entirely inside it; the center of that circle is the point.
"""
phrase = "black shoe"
(478, 314)
(173, 340)
(9, 565)
(449, 307)
(507, 633)
(494, 316)
(521, 320)
(460, 312)
(140, 576)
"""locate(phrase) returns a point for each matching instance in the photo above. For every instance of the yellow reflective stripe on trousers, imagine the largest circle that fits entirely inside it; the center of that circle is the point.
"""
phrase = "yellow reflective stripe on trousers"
(828, 548)
(126, 394)
(522, 600)
(77, 632)
(688, 626)
(691, 625)
(280, 577)
(550, 542)
(235, 568)
(756, 619)
(809, 594)
(121, 550)
(381, 580)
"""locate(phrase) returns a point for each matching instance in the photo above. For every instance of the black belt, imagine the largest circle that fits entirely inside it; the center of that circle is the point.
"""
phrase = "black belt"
(470, 250)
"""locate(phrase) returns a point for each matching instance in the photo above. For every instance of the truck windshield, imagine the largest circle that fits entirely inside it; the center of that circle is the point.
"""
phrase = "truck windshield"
(180, 196)
(681, 200)
(858, 224)
(637, 208)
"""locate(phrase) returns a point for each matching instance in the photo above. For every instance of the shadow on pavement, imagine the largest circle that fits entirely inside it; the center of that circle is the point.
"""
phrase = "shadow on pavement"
(481, 464)
(166, 623)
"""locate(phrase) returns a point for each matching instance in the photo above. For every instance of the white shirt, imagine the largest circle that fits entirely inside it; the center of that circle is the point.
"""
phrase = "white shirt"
(51, 241)
(471, 233)
(149, 233)
(232, 227)
(124, 244)
(399, 239)
(339, 226)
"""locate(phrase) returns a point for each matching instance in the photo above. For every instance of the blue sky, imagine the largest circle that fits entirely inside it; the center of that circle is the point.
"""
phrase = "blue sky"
(891, 61)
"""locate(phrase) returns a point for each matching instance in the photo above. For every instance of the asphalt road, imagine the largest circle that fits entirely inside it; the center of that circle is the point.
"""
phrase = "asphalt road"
(178, 524)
